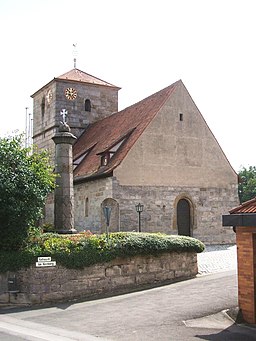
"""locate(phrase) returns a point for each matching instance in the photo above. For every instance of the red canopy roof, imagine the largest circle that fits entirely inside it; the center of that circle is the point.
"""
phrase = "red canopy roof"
(246, 207)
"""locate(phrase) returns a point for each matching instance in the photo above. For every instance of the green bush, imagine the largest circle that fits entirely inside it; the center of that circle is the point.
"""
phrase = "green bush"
(26, 179)
(82, 250)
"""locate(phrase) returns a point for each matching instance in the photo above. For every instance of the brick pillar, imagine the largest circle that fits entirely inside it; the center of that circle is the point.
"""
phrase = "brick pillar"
(64, 191)
(246, 259)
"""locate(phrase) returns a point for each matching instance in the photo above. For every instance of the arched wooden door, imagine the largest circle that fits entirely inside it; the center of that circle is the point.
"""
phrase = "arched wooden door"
(183, 218)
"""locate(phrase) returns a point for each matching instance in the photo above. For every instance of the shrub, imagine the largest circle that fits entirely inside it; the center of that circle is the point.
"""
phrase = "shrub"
(85, 249)
(25, 181)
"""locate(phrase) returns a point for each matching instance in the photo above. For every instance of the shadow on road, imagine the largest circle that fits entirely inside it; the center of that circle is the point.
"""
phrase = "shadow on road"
(234, 333)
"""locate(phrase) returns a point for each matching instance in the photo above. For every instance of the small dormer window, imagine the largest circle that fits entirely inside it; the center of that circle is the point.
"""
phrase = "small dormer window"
(87, 105)
(108, 154)
(105, 159)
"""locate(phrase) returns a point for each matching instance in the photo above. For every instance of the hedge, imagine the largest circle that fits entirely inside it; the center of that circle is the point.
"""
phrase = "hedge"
(82, 250)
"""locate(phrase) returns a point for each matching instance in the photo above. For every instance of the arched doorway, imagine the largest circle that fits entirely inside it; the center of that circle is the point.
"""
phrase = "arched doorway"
(183, 217)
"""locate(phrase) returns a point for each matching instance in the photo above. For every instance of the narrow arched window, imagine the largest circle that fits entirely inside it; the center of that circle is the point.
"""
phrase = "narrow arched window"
(86, 207)
(87, 105)
(43, 106)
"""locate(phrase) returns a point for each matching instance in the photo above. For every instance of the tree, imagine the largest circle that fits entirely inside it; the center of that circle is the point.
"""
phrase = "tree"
(26, 179)
(247, 183)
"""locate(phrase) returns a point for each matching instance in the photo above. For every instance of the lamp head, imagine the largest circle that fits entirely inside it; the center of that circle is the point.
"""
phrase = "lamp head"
(139, 207)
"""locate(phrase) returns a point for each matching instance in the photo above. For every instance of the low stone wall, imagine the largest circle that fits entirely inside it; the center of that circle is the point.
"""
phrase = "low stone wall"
(37, 285)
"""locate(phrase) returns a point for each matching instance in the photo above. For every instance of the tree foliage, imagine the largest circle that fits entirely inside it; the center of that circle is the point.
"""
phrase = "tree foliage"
(247, 185)
(26, 179)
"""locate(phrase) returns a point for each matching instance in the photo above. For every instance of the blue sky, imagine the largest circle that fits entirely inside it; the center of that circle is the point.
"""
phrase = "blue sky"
(141, 46)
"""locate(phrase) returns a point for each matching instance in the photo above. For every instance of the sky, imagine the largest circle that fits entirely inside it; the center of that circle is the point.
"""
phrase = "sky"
(141, 46)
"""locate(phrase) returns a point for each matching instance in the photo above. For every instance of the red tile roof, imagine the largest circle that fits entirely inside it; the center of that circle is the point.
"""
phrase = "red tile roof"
(76, 75)
(83, 77)
(126, 125)
(246, 207)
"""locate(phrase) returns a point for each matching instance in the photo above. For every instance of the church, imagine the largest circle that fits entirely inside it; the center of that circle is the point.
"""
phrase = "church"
(159, 153)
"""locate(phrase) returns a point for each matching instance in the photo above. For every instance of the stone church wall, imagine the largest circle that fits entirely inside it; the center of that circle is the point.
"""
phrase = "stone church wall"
(48, 285)
(160, 206)
(88, 199)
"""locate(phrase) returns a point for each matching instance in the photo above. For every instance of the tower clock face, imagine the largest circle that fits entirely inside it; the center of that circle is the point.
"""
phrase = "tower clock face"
(70, 93)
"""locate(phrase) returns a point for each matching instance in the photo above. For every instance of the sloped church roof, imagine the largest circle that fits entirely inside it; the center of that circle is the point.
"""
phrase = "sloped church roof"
(116, 133)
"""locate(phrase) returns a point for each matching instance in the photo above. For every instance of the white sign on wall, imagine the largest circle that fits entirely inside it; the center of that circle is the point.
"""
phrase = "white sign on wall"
(44, 259)
(45, 262)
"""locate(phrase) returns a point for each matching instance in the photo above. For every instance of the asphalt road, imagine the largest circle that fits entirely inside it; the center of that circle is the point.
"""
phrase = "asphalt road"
(179, 311)
(189, 310)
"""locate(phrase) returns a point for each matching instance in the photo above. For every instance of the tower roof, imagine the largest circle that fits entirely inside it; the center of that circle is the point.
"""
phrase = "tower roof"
(77, 75)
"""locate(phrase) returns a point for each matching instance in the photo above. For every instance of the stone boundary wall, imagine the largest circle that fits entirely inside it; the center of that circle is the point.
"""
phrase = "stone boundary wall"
(39, 285)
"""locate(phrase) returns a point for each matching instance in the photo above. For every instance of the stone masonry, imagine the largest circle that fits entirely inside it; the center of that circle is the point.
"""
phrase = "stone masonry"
(92, 196)
(159, 214)
(64, 191)
(160, 206)
(48, 285)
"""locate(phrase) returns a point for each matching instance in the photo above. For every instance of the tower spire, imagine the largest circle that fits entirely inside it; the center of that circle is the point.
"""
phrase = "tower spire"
(74, 54)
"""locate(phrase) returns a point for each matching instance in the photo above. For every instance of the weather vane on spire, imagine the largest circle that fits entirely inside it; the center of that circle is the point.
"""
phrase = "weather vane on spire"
(74, 54)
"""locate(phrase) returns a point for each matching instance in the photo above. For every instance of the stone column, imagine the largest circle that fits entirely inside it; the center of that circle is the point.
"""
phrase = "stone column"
(64, 191)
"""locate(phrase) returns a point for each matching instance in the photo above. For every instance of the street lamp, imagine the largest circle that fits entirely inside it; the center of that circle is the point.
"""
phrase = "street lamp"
(139, 209)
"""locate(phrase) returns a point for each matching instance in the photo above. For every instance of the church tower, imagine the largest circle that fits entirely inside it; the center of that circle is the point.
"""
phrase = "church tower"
(85, 98)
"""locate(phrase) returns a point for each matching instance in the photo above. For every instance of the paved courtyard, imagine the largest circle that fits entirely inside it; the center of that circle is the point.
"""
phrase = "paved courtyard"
(217, 258)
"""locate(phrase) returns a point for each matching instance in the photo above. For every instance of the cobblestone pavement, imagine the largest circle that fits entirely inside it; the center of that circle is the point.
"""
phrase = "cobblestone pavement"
(217, 258)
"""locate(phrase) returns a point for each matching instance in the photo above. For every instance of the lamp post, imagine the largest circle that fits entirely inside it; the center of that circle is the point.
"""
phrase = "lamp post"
(139, 209)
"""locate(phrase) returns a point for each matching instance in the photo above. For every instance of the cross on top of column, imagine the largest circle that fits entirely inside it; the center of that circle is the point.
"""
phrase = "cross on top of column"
(64, 114)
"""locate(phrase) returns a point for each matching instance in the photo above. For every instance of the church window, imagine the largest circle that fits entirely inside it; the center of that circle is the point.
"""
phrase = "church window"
(87, 105)
(108, 154)
(86, 207)
(181, 117)
(43, 106)
(105, 159)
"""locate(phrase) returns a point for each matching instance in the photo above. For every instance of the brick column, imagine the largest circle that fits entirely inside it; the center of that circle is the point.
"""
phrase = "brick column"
(246, 257)
(64, 191)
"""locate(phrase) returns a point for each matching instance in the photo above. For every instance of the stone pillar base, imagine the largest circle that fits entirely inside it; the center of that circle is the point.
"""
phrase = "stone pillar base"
(72, 231)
